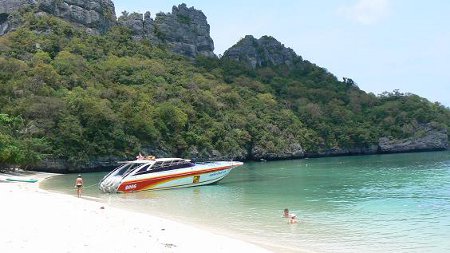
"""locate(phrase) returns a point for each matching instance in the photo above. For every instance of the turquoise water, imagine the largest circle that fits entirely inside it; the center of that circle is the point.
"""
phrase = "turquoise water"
(382, 203)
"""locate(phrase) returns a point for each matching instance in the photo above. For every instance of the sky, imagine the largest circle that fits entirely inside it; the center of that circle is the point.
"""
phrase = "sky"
(382, 45)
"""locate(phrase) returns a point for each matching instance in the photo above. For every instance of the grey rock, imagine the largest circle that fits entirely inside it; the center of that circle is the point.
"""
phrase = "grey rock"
(291, 151)
(141, 26)
(185, 30)
(13, 21)
(149, 28)
(215, 155)
(4, 27)
(96, 16)
(135, 22)
(265, 51)
(9, 21)
(338, 151)
(431, 139)
(10, 6)
(63, 166)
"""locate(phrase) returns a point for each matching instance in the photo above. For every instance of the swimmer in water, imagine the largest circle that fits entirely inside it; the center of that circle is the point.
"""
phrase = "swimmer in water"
(293, 219)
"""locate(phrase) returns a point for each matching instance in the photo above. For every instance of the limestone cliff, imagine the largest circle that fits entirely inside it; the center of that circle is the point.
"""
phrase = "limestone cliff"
(265, 51)
(7, 10)
(185, 30)
(10, 6)
(142, 26)
(97, 16)
(428, 138)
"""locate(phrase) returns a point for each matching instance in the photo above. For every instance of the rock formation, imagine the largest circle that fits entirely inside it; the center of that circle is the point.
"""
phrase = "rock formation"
(10, 6)
(427, 138)
(430, 139)
(97, 16)
(342, 151)
(265, 51)
(292, 151)
(7, 9)
(63, 166)
(141, 25)
(185, 30)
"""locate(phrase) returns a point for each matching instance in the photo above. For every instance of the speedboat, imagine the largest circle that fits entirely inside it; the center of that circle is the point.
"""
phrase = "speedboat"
(150, 173)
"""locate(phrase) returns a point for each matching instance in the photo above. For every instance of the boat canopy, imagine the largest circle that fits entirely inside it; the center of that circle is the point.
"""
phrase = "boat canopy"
(139, 167)
(164, 165)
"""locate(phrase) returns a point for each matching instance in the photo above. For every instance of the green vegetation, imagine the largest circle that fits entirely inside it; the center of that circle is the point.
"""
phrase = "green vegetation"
(68, 95)
(17, 145)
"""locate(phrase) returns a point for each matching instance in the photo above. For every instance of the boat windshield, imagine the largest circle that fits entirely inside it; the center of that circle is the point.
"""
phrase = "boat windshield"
(165, 166)
(126, 169)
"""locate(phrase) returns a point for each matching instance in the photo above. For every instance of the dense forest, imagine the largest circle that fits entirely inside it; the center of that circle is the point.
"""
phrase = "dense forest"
(69, 95)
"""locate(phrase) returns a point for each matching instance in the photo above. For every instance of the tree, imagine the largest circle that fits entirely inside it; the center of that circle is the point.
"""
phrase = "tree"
(16, 147)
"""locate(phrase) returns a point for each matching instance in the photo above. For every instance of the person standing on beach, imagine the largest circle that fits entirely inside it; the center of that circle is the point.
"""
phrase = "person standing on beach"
(79, 185)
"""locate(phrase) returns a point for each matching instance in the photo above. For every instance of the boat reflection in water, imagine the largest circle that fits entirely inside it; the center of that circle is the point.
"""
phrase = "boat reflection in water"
(150, 173)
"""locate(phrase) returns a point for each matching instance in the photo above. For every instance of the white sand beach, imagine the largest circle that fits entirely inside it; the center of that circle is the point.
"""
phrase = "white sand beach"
(34, 220)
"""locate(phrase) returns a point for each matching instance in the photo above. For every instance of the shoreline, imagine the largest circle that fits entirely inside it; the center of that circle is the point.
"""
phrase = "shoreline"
(42, 221)
(113, 163)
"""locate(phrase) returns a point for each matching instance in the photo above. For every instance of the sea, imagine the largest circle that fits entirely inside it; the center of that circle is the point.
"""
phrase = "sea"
(377, 203)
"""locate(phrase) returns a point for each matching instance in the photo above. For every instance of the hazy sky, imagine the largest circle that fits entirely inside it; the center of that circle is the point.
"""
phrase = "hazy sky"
(381, 44)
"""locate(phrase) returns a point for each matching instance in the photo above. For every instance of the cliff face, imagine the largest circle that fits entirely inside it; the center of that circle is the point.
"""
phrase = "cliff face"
(142, 26)
(265, 51)
(430, 139)
(97, 16)
(185, 30)
(7, 8)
